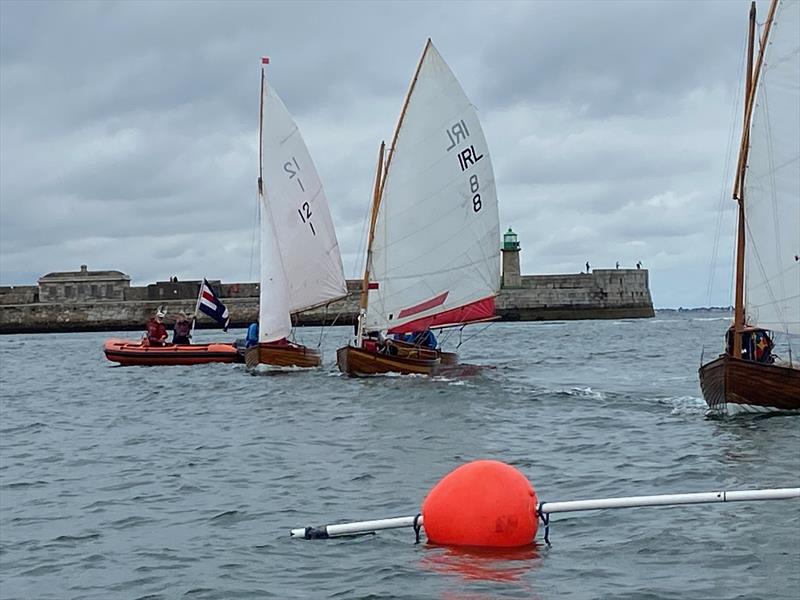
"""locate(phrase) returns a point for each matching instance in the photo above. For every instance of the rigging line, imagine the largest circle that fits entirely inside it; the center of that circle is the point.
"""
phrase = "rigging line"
(773, 196)
(359, 260)
(477, 333)
(254, 232)
(778, 309)
(322, 331)
(726, 174)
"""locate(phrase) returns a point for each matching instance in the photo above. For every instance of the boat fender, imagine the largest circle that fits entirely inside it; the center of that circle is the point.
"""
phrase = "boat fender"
(484, 503)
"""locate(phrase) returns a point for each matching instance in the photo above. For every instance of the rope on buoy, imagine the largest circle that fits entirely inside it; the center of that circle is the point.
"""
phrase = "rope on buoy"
(545, 517)
(417, 526)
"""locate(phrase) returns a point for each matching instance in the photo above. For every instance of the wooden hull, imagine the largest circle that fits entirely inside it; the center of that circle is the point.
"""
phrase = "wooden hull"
(359, 362)
(282, 355)
(731, 386)
(130, 353)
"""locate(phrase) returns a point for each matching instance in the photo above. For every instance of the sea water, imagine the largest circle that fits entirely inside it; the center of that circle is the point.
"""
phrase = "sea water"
(183, 482)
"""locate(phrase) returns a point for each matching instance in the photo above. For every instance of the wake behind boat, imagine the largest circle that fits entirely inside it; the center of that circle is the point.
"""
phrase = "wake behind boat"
(433, 257)
(748, 377)
(301, 266)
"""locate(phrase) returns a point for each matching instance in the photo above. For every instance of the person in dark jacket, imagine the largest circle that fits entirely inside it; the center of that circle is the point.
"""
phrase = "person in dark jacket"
(182, 333)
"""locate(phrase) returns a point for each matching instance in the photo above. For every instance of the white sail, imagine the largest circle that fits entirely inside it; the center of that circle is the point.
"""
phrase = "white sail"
(274, 322)
(301, 266)
(436, 247)
(772, 182)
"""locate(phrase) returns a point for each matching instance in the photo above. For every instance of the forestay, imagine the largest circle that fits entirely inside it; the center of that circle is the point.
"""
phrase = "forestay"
(772, 184)
(301, 266)
(436, 253)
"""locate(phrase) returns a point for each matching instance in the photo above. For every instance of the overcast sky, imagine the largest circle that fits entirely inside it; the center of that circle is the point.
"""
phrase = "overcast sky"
(128, 130)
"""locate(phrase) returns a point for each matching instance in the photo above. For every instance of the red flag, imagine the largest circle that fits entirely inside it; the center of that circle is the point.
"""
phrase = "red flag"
(265, 60)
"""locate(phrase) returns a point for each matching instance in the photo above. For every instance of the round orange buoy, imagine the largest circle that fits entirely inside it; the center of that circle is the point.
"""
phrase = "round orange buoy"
(483, 503)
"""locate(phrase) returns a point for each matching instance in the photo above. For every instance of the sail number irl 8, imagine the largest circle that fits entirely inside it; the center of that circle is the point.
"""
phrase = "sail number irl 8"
(293, 171)
(466, 158)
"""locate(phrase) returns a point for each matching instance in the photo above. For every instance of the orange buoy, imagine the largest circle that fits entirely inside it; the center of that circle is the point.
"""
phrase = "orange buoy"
(483, 503)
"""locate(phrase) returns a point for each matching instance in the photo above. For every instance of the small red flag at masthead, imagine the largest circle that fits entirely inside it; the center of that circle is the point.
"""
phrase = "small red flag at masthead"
(265, 60)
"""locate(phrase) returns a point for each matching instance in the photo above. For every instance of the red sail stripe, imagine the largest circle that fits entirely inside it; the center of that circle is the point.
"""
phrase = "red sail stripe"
(480, 310)
(423, 306)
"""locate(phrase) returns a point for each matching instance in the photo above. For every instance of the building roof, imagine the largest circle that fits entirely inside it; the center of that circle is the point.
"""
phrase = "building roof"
(83, 275)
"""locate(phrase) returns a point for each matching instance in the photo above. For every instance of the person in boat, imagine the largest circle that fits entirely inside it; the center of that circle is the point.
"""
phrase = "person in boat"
(756, 345)
(182, 332)
(156, 332)
(251, 339)
(424, 339)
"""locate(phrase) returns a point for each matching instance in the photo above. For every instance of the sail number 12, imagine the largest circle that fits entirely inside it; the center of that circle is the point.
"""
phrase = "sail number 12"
(466, 158)
(305, 210)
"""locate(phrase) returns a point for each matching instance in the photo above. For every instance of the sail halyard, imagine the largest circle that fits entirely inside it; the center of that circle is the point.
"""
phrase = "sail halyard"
(432, 241)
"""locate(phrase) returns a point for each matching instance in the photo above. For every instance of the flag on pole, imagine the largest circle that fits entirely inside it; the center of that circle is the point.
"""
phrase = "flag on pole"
(209, 304)
(265, 60)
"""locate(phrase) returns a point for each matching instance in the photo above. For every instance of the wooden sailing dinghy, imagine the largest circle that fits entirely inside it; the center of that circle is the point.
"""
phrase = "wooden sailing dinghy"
(433, 252)
(748, 377)
(301, 266)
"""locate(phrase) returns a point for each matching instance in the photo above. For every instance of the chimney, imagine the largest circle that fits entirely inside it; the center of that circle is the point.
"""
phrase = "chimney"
(84, 270)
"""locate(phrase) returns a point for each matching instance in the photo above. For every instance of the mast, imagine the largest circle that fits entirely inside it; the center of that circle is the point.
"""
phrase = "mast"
(751, 83)
(376, 199)
(261, 132)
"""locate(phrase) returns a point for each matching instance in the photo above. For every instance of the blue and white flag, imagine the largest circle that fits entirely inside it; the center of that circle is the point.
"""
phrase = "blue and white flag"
(209, 304)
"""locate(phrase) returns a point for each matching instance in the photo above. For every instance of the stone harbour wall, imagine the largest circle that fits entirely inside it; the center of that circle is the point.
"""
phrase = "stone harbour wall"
(602, 294)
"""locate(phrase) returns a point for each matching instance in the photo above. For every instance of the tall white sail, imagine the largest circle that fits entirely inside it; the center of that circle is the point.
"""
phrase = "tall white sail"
(299, 250)
(772, 182)
(435, 257)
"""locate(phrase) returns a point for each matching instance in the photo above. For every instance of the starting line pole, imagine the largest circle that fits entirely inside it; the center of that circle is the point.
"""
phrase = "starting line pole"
(547, 508)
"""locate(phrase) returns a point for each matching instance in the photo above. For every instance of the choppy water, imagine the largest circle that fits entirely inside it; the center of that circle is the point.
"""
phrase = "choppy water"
(183, 482)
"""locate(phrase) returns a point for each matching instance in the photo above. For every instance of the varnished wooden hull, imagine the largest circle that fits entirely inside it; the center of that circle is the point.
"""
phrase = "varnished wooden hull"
(359, 362)
(731, 386)
(282, 355)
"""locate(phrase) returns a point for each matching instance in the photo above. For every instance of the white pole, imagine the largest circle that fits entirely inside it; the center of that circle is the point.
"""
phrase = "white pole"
(354, 528)
(197, 305)
(670, 500)
(359, 527)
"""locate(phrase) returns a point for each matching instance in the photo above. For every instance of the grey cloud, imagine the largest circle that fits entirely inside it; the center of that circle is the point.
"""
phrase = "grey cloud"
(128, 130)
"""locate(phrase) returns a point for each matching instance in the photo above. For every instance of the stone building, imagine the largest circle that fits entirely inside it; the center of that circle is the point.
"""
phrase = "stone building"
(83, 286)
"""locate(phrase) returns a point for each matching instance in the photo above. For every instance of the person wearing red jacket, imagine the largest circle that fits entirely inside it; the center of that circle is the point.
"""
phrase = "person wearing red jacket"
(156, 332)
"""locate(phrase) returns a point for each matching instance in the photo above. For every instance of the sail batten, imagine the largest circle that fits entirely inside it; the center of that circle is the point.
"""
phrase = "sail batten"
(772, 183)
(437, 230)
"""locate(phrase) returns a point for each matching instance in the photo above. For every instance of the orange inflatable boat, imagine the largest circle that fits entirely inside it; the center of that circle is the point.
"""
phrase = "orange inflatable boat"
(129, 352)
